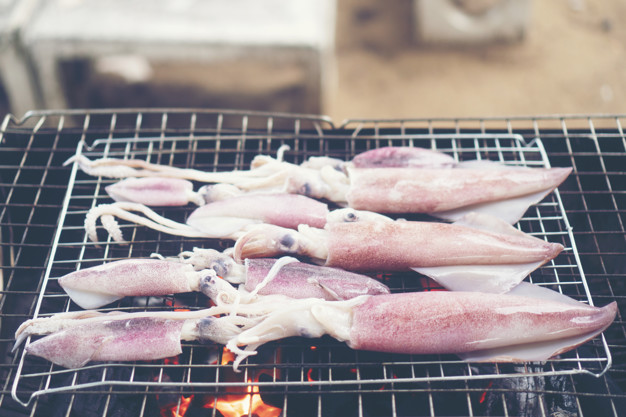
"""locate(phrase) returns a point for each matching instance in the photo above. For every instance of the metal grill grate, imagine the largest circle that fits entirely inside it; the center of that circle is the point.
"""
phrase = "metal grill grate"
(303, 377)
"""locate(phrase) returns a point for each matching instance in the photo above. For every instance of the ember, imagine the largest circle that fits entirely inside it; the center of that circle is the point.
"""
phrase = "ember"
(177, 409)
(484, 394)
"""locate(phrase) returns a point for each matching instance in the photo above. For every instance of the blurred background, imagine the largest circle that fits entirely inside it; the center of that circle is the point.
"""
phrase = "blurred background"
(341, 58)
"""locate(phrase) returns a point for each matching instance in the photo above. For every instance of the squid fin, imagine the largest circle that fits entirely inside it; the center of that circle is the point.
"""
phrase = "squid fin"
(529, 352)
(221, 227)
(542, 351)
(526, 289)
(481, 278)
(488, 223)
(511, 210)
(90, 299)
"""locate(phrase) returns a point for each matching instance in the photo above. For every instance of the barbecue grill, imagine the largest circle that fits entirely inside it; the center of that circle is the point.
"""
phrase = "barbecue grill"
(41, 218)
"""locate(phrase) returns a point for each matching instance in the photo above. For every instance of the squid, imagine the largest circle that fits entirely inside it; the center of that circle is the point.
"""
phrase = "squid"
(385, 180)
(103, 284)
(477, 253)
(97, 286)
(226, 218)
(285, 277)
(164, 191)
(529, 324)
(77, 338)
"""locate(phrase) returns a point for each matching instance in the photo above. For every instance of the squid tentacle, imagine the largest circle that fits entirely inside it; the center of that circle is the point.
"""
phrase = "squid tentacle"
(226, 219)
(124, 210)
(263, 168)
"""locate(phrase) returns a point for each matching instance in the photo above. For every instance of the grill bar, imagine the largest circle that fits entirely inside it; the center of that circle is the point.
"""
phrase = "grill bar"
(585, 216)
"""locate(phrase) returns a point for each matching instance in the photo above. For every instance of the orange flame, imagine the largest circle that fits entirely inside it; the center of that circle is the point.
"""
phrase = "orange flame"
(230, 405)
(244, 405)
(227, 357)
(236, 405)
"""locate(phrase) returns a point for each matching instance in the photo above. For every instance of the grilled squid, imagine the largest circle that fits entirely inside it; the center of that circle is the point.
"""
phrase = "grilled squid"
(291, 278)
(227, 218)
(477, 253)
(529, 324)
(384, 180)
(198, 271)
(77, 338)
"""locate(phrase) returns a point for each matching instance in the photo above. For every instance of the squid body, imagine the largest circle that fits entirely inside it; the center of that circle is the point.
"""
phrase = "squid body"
(478, 253)
(529, 324)
(101, 285)
(384, 180)
(153, 191)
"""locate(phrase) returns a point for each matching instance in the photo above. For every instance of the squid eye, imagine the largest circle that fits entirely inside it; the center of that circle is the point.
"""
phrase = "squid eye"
(288, 243)
(305, 189)
(208, 286)
(206, 327)
(350, 217)
(220, 268)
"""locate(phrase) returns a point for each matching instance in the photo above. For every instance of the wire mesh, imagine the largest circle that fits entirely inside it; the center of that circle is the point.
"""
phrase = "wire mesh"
(312, 374)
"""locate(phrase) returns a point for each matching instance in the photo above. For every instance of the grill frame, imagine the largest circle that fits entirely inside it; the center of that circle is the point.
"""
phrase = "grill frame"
(79, 124)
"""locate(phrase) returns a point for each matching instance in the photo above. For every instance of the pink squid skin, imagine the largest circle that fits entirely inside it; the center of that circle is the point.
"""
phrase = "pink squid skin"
(301, 280)
(132, 277)
(427, 190)
(143, 338)
(458, 322)
(285, 210)
(152, 191)
(404, 156)
(401, 245)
